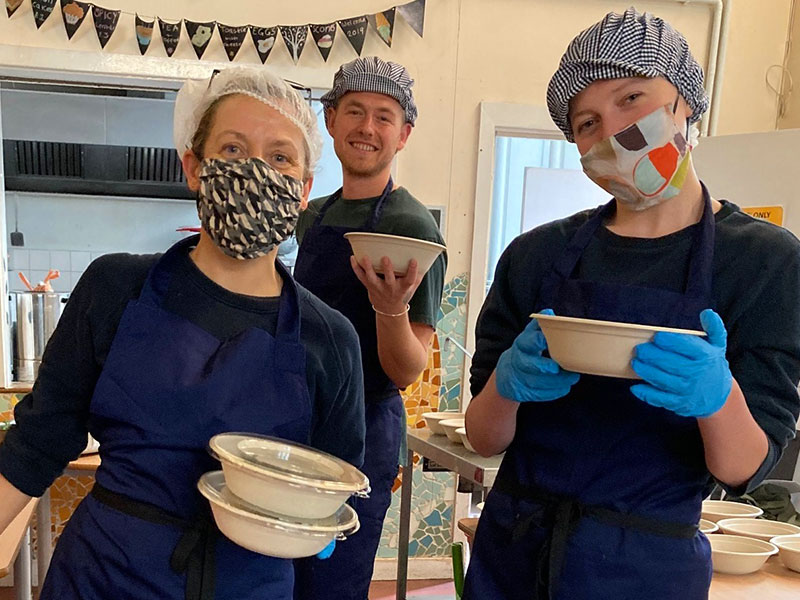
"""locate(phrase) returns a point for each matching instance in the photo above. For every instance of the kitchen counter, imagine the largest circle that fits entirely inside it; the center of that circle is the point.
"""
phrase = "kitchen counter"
(772, 582)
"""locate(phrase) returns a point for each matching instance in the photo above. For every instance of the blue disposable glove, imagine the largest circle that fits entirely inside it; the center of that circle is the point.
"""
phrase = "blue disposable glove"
(524, 375)
(327, 551)
(686, 374)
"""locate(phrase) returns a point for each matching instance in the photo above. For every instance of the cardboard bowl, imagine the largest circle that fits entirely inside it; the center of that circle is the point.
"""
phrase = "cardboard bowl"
(396, 248)
(716, 510)
(433, 420)
(760, 529)
(737, 555)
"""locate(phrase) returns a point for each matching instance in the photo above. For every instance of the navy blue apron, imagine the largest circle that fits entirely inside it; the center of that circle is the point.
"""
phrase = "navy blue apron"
(167, 386)
(599, 493)
(323, 267)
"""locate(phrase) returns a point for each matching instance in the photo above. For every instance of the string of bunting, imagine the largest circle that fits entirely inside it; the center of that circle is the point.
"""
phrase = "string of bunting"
(74, 12)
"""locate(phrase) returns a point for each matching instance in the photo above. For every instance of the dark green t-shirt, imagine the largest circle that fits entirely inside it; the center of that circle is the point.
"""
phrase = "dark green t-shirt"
(402, 215)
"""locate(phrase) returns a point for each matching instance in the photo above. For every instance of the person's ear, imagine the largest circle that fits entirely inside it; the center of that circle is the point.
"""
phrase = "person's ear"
(306, 191)
(191, 169)
(404, 133)
(330, 117)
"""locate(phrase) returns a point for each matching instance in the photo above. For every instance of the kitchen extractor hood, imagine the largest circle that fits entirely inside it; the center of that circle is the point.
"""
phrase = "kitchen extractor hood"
(93, 169)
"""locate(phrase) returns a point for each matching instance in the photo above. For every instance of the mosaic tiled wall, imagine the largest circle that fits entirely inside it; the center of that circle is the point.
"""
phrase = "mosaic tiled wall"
(433, 493)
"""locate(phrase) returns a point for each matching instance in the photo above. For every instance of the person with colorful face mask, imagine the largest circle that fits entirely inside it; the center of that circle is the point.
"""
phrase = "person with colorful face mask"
(370, 112)
(156, 354)
(599, 493)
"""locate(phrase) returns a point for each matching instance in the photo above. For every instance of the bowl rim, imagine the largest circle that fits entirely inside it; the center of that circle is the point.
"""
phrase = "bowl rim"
(780, 539)
(444, 423)
(614, 324)
(360, 481)
(732, 522)
(714, 506)
(399, 238)
(435, 414)
(771, 552)
(207, 486)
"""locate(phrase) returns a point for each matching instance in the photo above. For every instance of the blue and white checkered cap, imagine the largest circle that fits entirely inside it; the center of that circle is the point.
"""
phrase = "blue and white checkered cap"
(627, 45)
(371, 74)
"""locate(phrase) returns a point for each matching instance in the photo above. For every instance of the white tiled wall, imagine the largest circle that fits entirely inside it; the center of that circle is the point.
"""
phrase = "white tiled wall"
(35, 264)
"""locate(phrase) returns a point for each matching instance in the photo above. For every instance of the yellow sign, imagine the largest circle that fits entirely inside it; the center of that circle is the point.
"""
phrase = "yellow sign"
(773, 214)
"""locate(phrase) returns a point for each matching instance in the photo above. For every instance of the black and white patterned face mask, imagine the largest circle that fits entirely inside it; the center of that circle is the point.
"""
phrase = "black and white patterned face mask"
(247, 206)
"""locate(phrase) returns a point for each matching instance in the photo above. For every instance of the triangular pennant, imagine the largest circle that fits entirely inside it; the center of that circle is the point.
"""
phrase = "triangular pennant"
(383, 22)
(12, 6)
(74, 13)
(170, 35)
(414, 14)
(356, 31)
(105, 23)
(263, 40)
(41, 10)
(200, 35)
(232, 39)
(323, 36)
(295, 37)
(144, 33)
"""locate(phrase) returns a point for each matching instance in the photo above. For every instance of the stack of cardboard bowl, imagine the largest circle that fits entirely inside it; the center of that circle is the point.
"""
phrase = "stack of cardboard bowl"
(450, 424)
(280, 498)
(745, 542)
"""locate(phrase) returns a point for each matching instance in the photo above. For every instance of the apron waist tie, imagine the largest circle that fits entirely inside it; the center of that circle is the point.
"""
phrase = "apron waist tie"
(566, 512)
(195, 552)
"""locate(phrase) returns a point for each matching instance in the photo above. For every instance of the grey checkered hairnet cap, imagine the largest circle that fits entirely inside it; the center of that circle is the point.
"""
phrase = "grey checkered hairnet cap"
(627, 45)
(371, 74)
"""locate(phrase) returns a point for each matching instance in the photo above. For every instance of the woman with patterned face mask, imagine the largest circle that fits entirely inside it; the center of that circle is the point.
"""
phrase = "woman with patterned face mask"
(156, 354)
(599, 493)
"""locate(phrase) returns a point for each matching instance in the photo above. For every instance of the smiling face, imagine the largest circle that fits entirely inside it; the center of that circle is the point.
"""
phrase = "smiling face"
(241, 127)
(368, 129)
(608, 106)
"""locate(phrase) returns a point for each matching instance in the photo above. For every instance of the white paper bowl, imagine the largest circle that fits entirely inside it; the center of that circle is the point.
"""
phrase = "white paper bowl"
(462, 433)
(760, 529)
(737, 555)
(596, 347)
(707, 526)
(273, 535)
(396, 248)
(451, 427)
(286, 478)
(789, 550)
(432, 420)
(716, 510)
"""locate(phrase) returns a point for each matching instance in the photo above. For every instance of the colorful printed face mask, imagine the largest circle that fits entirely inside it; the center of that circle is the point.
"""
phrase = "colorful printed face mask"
(643, 164)
(246, 206)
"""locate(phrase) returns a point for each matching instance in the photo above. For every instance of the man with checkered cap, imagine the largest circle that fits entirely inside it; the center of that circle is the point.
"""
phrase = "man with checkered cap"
(600, 489)
(370, 113)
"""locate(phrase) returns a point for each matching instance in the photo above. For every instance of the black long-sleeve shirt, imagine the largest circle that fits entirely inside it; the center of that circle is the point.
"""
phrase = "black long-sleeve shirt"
(755, 289)
(51, 421)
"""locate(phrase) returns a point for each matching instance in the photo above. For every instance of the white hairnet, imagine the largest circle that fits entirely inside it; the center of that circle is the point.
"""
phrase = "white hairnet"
(196, 95)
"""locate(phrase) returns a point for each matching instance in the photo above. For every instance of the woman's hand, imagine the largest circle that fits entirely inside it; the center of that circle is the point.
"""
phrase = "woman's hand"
(686, 374)
(524, 375)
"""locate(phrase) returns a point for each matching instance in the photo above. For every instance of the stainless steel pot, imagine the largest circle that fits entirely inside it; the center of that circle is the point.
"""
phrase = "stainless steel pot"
(34, 316)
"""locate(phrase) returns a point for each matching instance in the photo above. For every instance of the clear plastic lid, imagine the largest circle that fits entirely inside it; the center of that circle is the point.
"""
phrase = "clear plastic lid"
(212, 487)
(289, 461)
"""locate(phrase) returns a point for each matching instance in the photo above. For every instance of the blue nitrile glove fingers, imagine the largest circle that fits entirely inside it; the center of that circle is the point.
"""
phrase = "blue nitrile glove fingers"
(686, 374)
(327, 551)
(524, 375)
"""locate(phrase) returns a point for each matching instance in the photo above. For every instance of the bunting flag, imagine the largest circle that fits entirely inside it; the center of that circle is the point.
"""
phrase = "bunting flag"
(105, 23)
(12, 6)
(264, 40)
(232, 39)
(41, 10)
(323, 36)
(356, 32)
(383, 22)
(74, 13)
(414, 14)
(200, 35)
(170, 35)
(295, 38)
(144, 33)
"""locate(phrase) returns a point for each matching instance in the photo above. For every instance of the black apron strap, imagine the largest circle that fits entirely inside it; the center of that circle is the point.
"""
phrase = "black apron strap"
(195, 552)
(564, 513)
